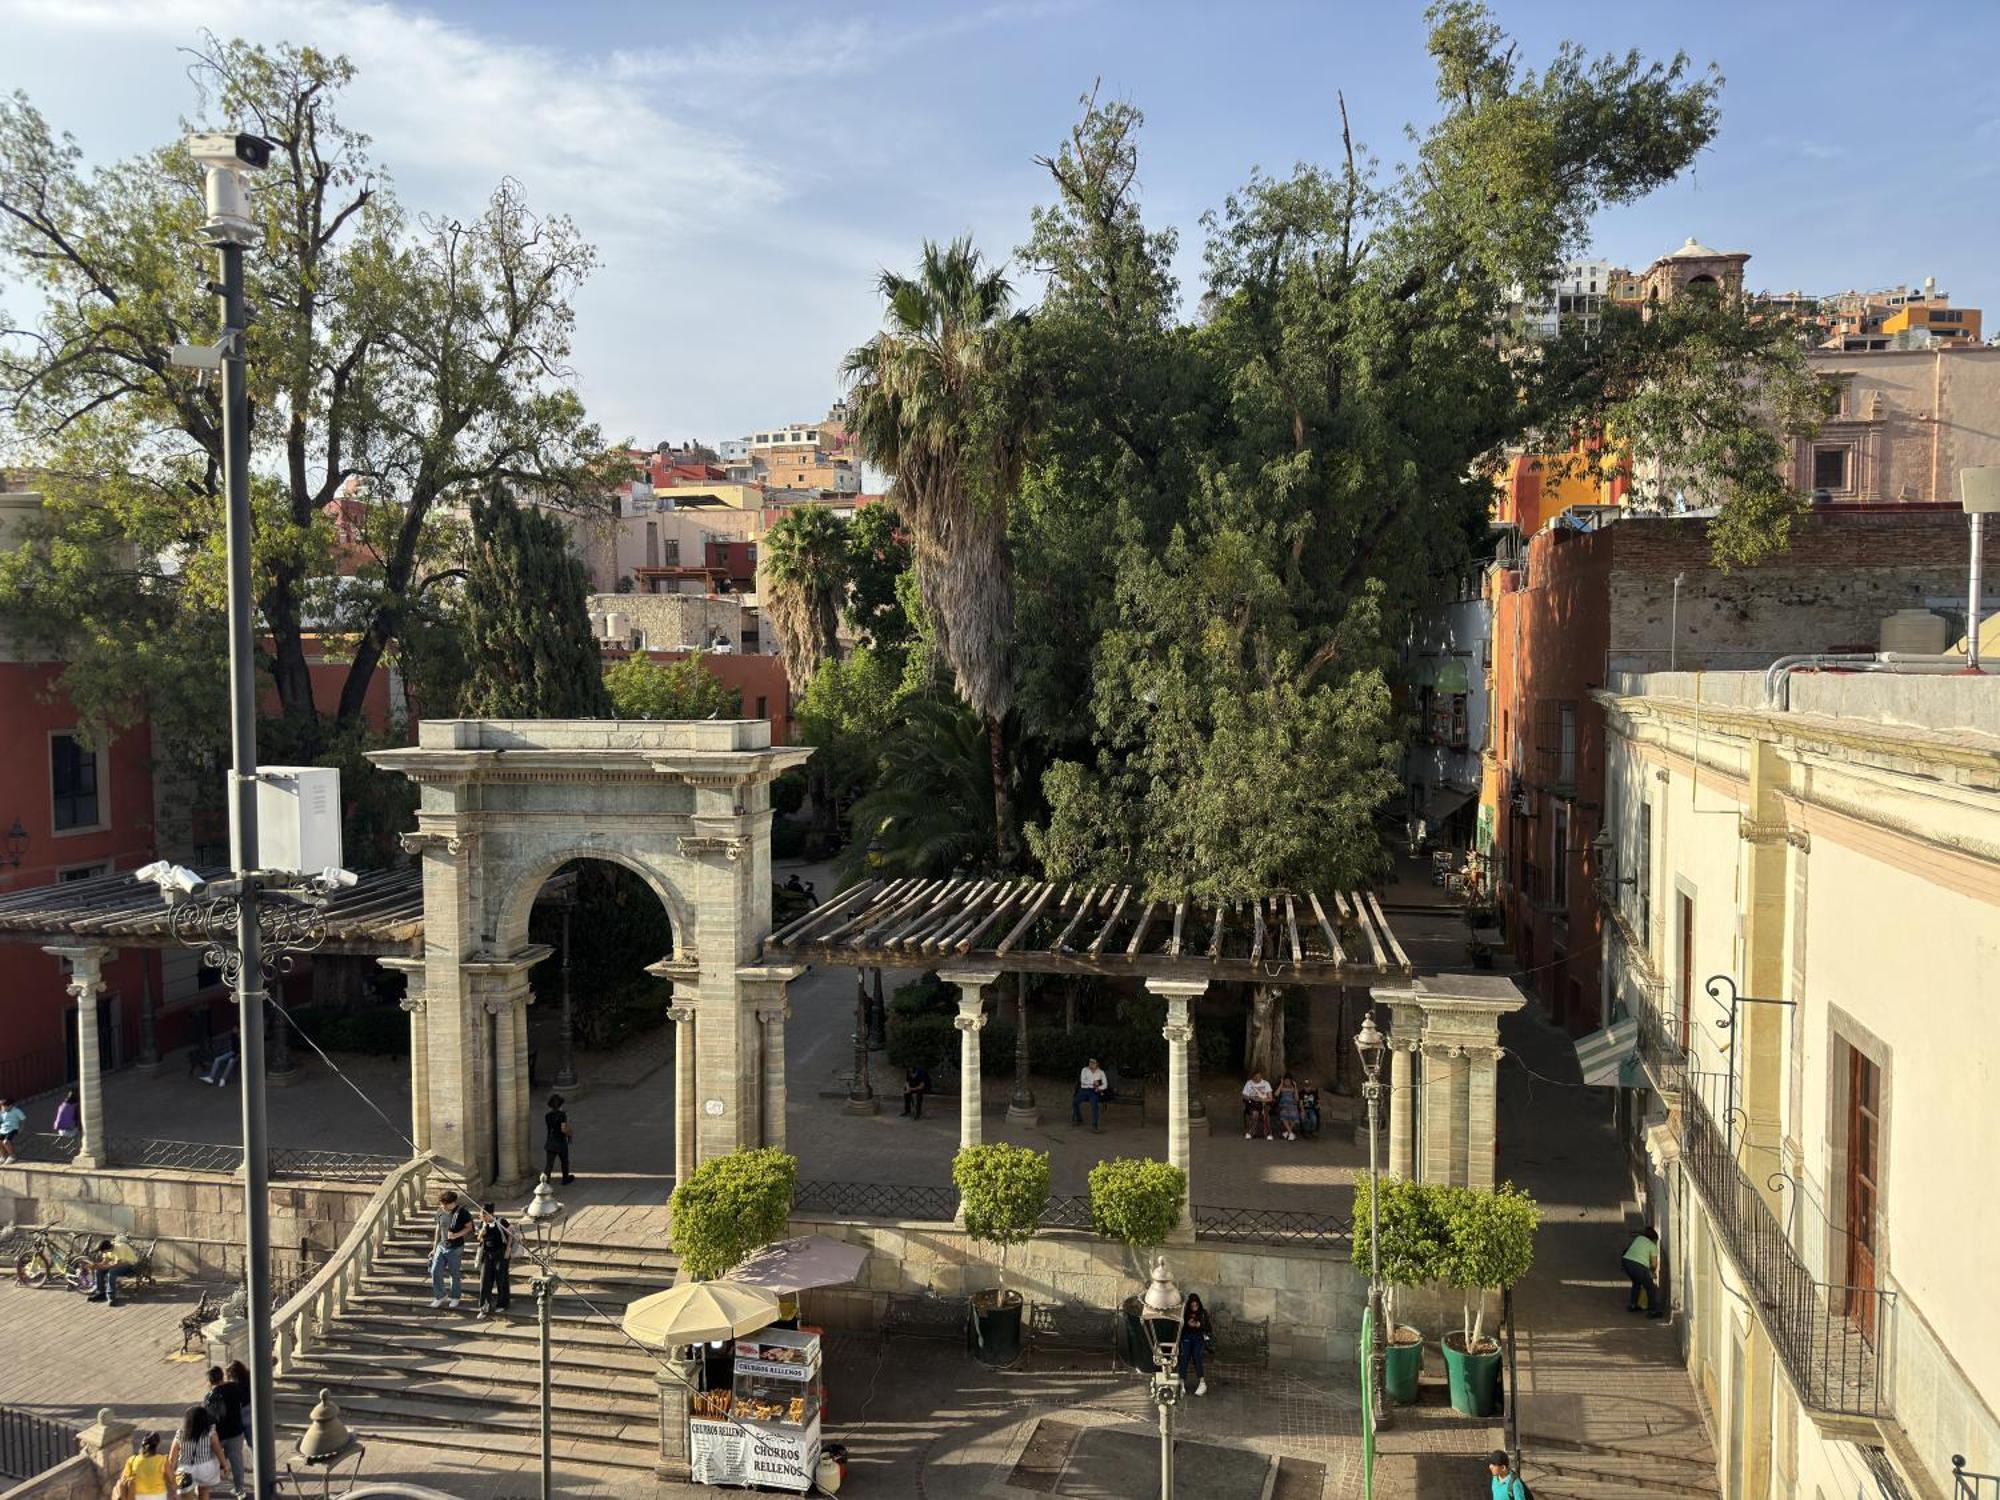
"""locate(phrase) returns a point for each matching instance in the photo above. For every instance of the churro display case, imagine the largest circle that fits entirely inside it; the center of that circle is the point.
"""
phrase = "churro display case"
(763, 1430)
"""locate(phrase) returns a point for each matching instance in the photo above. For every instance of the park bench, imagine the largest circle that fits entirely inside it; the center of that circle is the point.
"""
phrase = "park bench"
(922, 1315)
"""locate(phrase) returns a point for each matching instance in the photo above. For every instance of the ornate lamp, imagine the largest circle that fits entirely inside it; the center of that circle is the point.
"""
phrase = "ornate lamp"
(325, 1443)
(1161, 1311)
(545, 1217)
(15, 848)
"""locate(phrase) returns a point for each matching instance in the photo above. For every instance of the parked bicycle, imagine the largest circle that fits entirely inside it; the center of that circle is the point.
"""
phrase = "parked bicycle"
(52, 1254)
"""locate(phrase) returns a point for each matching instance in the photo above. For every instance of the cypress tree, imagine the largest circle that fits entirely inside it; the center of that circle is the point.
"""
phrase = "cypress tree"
(527, 629)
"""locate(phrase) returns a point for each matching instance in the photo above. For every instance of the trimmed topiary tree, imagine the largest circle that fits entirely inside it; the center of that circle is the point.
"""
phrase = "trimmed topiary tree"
(1415, 1234)
(1136, 1201)
(729, 1207)
(1003, 1191)
(1490, 1245)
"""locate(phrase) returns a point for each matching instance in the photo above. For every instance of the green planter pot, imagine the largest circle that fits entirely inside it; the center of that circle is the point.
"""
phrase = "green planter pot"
(1474, 1379)
(993, 1336)
(1402, 1364)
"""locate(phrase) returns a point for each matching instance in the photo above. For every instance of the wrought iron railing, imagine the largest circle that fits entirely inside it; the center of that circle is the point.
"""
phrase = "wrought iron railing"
(1271, 1226)
(1067, 1213)
(31, 1445)
(1966, 1485)
(1833, 1339)
(875, 1200)
(179, 1156)
(214, 1156)
(1660, 1051)
(333, 1166)
(43, 1147)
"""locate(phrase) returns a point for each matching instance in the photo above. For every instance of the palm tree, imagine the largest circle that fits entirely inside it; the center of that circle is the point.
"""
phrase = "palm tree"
(930, 401)
(930, 812)
(803, 585)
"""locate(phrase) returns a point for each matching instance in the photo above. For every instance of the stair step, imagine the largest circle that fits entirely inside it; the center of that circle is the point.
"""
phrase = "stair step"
(613, 1355)
(389, 1300)
(381, 1421)
(422, 1237)
(503, 1369)
(481, 1392)
(465, 1406)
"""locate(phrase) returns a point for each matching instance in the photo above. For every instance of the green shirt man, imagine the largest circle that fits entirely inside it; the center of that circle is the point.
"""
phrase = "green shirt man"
(1641, 1256)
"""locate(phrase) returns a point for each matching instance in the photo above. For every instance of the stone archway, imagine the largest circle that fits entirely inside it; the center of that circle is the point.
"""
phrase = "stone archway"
(504, 803)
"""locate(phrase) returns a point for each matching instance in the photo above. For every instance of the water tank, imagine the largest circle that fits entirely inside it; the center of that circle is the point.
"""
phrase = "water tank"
(1916, 632)
(614, 627)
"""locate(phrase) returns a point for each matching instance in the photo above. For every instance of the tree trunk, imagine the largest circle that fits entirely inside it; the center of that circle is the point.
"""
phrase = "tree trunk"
(290, 673)
(1265, 1050)
(1003, 812)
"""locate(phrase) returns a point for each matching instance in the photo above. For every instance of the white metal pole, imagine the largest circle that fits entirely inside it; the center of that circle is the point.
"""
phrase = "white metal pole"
(1974, 589)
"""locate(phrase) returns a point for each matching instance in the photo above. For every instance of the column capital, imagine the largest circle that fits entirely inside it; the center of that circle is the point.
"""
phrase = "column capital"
(413, 1004)
(969, 979)
(1178, 1036)
(772, 1015)
(970, 1020)
(1178, 989)
(680, 1014)
(86, 967)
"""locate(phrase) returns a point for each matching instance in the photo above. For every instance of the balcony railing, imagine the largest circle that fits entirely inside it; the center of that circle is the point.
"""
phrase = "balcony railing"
(1660, 1051)
(1833, 1339)
(1966, 1485)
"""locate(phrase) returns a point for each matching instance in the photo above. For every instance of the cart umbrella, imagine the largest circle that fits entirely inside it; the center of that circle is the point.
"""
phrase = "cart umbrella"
(797, 1265)
(700, 1312)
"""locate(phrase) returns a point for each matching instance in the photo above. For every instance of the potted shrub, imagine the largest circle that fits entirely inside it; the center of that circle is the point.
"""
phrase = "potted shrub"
(1413, 1247)
(1138, 1203)
(729, 1207)
(1003, 1191)
(1490, 1245)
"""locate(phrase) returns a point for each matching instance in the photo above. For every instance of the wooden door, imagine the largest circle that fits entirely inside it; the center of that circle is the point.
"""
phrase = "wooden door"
(1684, 975)
(1864, 1150)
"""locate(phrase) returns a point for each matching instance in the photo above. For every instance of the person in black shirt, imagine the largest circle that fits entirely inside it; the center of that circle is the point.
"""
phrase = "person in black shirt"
(495, 1292)
(916, 1084)
(226, 1407)
(556, 1145)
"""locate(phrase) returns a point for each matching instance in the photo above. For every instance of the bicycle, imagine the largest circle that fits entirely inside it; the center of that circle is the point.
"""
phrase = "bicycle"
(49, 1256)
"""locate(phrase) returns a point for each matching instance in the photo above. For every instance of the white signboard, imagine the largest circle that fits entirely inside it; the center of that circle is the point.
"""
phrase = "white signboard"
(752, 1453)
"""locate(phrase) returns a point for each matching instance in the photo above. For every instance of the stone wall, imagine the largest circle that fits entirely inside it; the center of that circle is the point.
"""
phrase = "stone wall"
(196, 1216)
(1312, 1299)
(72, 1479)
(670, 622)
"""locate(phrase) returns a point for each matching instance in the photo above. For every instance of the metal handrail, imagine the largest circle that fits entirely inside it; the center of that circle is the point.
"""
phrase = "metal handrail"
(1271, 1226)
(310, 1311)
(1833, 1339)
(32, 1445)
(1966, 1485)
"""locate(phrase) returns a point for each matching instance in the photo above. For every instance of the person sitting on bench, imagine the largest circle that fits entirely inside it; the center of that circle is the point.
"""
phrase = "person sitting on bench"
(1093, 1088)
(916, 1084)
(225, 1060)
(1257, 1106)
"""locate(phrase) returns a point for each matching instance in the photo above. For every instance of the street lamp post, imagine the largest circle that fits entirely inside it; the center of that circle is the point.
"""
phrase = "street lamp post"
(1370, 1044)
(860, 1093)
(543, 1215)
(1161, 1313)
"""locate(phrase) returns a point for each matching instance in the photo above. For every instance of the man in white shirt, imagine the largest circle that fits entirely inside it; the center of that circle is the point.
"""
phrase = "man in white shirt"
(1091, 1085)
(1257, 1106)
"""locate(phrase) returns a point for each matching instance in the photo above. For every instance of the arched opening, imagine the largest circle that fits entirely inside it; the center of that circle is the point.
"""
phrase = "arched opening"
(598, 1034)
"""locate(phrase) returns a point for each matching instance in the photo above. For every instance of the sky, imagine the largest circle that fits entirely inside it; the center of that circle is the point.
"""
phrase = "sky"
(747, 169)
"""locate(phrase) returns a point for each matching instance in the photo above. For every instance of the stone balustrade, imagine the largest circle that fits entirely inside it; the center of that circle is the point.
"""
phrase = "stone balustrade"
(316, 1304)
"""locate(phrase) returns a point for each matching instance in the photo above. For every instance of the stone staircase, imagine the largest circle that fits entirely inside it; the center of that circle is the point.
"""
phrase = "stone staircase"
(404, 1372)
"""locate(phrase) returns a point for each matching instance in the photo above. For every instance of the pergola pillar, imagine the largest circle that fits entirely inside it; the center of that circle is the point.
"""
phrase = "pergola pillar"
(1179, 1032)
(1453, 1021)
(765, 990)
(971, 1019)
(684, 1091)
(85, 984)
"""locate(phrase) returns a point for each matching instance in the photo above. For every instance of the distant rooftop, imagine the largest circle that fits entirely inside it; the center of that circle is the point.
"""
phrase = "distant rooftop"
(1958, 705)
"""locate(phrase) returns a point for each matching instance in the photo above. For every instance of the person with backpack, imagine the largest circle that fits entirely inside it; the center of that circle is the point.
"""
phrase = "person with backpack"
(225, 1407)
(1507, 1485)
(497, 1243)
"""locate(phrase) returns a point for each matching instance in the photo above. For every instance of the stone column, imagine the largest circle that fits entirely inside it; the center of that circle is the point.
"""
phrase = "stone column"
(1179, 1032)
(1402, 1109)
(499, 1081)
(85, 984)
(513, 1164)
(1482, 1087)
(1443, 1112)
(1197, 1106)
(107, 1443)
(773, 1018)
(971, 1019)
(1021, 1108)
(684, 1091)
(412, 1005)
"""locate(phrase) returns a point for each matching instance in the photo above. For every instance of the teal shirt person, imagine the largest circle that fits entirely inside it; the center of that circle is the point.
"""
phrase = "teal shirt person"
(12, 1119)
(1644, 1250)
(1509, 1487)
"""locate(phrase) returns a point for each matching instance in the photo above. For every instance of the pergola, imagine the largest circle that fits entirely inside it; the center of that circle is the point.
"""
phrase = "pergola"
(84, 922)
(1046, 927)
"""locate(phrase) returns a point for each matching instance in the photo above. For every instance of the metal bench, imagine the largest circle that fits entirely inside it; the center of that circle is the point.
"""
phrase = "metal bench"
(1070, 1326)
(920, 1315)
(1240, 1341)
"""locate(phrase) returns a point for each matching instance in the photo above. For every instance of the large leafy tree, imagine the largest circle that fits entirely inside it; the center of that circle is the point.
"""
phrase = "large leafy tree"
(1221, 522)
(937, 400)
(878, 555)
(397, 368)
(528, 641)
(803, 575)
(642, 688)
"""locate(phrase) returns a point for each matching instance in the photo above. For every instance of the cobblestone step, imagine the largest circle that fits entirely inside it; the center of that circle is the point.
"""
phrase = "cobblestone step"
(368, 1366)
(1580, 1470)
(413, 1270)
(478, 1390)
(411, 1302)
(492, 1338)
(418, 1425)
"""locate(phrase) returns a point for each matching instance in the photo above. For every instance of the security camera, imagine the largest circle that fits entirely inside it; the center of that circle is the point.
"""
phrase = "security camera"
(235, 152)
(172, 879)
(333, 878)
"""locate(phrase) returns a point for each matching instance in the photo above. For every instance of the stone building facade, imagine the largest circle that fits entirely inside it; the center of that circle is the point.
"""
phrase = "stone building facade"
(1906, 422)
(1804, 941)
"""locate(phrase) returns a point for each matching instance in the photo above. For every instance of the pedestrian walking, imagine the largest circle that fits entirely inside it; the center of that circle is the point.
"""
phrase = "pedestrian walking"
(239, 1377)
(1196, 1335)
(454, 1225)
(496, 1255)
(1641, 1256)
(225, 1406)
(145, 1474)
(69, 1117)
(11, 1121)
(196, 1456)
(556, 1142)
(1507, 1485)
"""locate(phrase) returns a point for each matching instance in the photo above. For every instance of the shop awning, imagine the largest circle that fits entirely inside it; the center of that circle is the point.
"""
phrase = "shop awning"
(1603, 1054)
(1442, 801)
(1452, 676)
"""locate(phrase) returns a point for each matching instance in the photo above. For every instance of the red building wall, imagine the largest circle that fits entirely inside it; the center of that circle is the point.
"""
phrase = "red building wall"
(39, 1019)
(761, 680)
